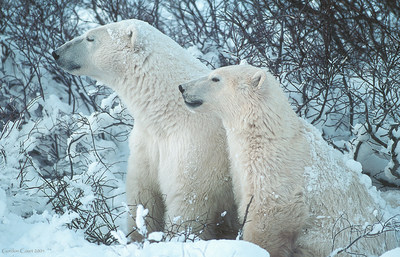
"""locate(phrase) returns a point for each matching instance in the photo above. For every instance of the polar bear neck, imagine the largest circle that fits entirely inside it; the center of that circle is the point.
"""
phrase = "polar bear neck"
(263, 116)
(153, 101)
(265, 144)
(150, 89)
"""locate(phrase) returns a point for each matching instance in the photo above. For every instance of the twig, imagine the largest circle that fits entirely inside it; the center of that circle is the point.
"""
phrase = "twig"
(245, 219)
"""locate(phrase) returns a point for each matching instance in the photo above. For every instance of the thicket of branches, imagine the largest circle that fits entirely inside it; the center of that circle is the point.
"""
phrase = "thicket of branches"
(338, 61)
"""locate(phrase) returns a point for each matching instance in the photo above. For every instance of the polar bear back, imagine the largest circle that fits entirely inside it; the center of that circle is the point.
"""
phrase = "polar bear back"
(342, 205)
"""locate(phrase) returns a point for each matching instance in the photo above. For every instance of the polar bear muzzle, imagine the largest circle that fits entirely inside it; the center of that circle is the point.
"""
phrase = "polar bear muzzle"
(69, 66)
(189, 101)
(194, 104)
(69, 56)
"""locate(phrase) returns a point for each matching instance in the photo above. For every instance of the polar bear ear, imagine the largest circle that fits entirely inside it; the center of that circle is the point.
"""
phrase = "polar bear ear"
(258, 79)
(134, 36)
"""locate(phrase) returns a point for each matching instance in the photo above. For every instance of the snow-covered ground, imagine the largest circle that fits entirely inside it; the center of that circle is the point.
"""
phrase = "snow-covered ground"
(392, 253)
(45, 234)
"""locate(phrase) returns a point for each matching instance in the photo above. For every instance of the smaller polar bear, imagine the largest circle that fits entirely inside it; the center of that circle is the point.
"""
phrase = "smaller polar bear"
(299, 196)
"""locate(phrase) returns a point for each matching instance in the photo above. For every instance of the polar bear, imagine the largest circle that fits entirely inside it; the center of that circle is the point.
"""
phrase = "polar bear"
(299, 197)
(178, 164)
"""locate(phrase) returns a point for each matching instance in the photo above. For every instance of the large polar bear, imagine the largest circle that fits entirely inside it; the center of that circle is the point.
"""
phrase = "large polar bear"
(301, 197)
(178, 166)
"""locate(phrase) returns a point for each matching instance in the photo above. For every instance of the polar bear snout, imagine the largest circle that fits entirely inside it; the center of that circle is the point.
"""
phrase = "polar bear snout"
(181, 89)
(69, 56)
(190, 100)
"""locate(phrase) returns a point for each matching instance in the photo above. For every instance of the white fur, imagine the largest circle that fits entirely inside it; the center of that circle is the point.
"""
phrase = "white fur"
(303, 192)
(178, 164)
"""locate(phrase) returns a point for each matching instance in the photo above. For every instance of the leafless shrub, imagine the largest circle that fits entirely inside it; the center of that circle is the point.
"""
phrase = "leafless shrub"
(106, 11)
(96, 216)
(89, 183)
(357, 233)
(337, 60)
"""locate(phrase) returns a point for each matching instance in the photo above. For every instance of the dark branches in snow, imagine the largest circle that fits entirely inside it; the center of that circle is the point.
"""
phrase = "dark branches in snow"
(361, 232)
(338, 60)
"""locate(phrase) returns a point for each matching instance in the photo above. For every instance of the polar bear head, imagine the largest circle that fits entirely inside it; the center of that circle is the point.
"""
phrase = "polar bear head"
(105, 53)
(226, 90)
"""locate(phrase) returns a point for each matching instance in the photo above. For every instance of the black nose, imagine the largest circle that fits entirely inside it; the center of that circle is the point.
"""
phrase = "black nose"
(181, 89)
(55, 55)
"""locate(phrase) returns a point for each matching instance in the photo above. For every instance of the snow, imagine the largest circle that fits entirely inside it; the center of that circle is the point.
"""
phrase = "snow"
(375, 159)
(376, 229)
(354, 165)
(243, 62)
(195, 51)
(204, 249)
(392, 253)
(120, 236)
(396, 132)
(335, 252)
(45, 234)
(141, 213)
(156, 236)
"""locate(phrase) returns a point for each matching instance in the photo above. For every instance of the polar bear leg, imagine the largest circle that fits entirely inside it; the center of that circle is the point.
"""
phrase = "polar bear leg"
(269, 236)
(196, 218)
(275, 228)
(210, 217)
(195, 181)
(142, 185)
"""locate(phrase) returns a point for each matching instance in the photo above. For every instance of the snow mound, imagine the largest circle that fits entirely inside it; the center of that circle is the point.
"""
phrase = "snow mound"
(392, 253)
(46, 234)
(203, 249)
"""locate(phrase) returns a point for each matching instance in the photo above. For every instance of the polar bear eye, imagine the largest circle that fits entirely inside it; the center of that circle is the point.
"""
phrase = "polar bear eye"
(90, 39)
(215, 79)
